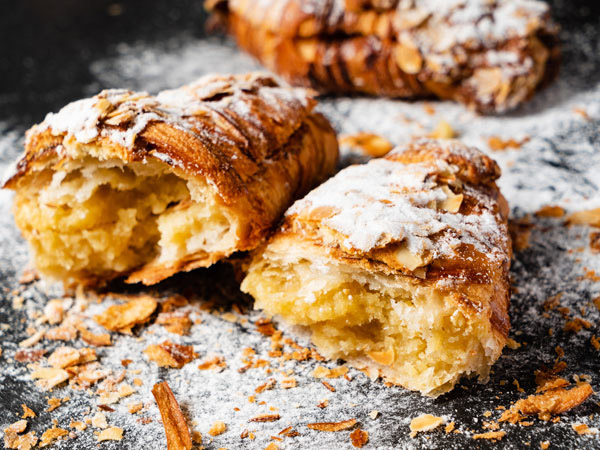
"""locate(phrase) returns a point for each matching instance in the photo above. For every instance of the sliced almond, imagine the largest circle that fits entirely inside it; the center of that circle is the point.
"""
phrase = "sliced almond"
(384, 357)
(332, 426)
(124, 317)
(169, 354)
(589, 217)
(424, 423)
(408, 58)
(176, 429)
(50, 377)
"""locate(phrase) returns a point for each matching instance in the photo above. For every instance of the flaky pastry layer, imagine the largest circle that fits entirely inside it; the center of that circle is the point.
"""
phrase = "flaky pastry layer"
(125, 183)
(399, 266)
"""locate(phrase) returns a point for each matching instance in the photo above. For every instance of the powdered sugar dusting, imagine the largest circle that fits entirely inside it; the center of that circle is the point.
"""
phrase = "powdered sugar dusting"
(386, 201)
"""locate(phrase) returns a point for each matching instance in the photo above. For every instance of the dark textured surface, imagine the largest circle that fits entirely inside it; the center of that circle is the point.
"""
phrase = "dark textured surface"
(52, 55)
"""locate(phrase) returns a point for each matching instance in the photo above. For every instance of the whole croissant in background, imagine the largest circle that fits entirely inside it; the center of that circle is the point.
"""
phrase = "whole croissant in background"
(491, 55)
(125, 183)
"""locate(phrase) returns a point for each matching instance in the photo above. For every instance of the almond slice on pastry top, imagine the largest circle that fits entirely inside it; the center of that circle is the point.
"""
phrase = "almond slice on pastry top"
(399, 266)
(128, 184)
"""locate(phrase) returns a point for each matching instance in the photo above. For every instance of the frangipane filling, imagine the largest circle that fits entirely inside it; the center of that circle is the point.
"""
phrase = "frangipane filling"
(415, 336)
(97, 219)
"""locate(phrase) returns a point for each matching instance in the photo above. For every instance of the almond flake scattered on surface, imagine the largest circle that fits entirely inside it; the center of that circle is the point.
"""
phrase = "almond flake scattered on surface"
(49, 377)
(51, 435)
(272, 446)
(176, 429)
(498, 144)
(217, 428)
(550, 211)
(490, 435)
(551, 402)
(449, 427)
(124, 317)
(443, 130)
(589, 217)
(545, 445)
(582, 428)
(369, 143)
(111, 434)
(359, 438)
(373, 414)
(324, 372)
(78, 425)
(215, 362)
(95, 340)
(20, 442)
(169, 354)
(99, 421)
(135, 407)
(174, 322)
(332, 426)
(55, 402)
(288, 383)
(27, 411)
(33, 339)
(265, 418)
(424, 423)
(16, 427)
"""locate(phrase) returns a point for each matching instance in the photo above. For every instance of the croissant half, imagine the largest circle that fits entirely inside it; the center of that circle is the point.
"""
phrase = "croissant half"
(399, 266)
(125, 183)
(491, 55)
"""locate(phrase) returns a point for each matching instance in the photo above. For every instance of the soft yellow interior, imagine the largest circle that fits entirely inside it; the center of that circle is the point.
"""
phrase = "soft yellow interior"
(413, 337)
(92, 219)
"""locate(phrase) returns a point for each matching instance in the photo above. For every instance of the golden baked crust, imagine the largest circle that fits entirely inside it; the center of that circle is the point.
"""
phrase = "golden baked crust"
(237, 149)
(489, 55)
(400, 266)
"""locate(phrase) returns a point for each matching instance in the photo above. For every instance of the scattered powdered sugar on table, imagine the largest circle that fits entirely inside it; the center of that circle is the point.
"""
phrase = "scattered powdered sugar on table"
(559, 164)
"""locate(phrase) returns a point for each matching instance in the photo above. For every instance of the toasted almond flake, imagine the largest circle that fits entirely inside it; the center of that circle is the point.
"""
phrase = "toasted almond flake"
(124, 317)
(582, 428)
(174, 322)
(215, 362)
(33, 339)
(49, 377)
(373, 414)
(54, 403)
(550, 211)
(108, 398)
(497, 144)
(27, 412)
(135, 407)
(265, 418)
(79, 426)
(589, 217)
(512, 344)
(111, 434)
(64, 357)
(51, 435)
(270, 384)
(328, 386)
(323, 404)
(359, 438)
(54, 311)
(272, 446)
(288, 383)
(96, 340)
(99, 420)
(176, 429)
(575, 325)
(551, 402)
(424, 423)
(384, 357)
(217, 428)
(20, 442)
(449, 427)
(545, 445)
(443, 130)
(332, 426)
(491, 435)
(16, 427)
(169, 354)
(369, 143)
(125, 390)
